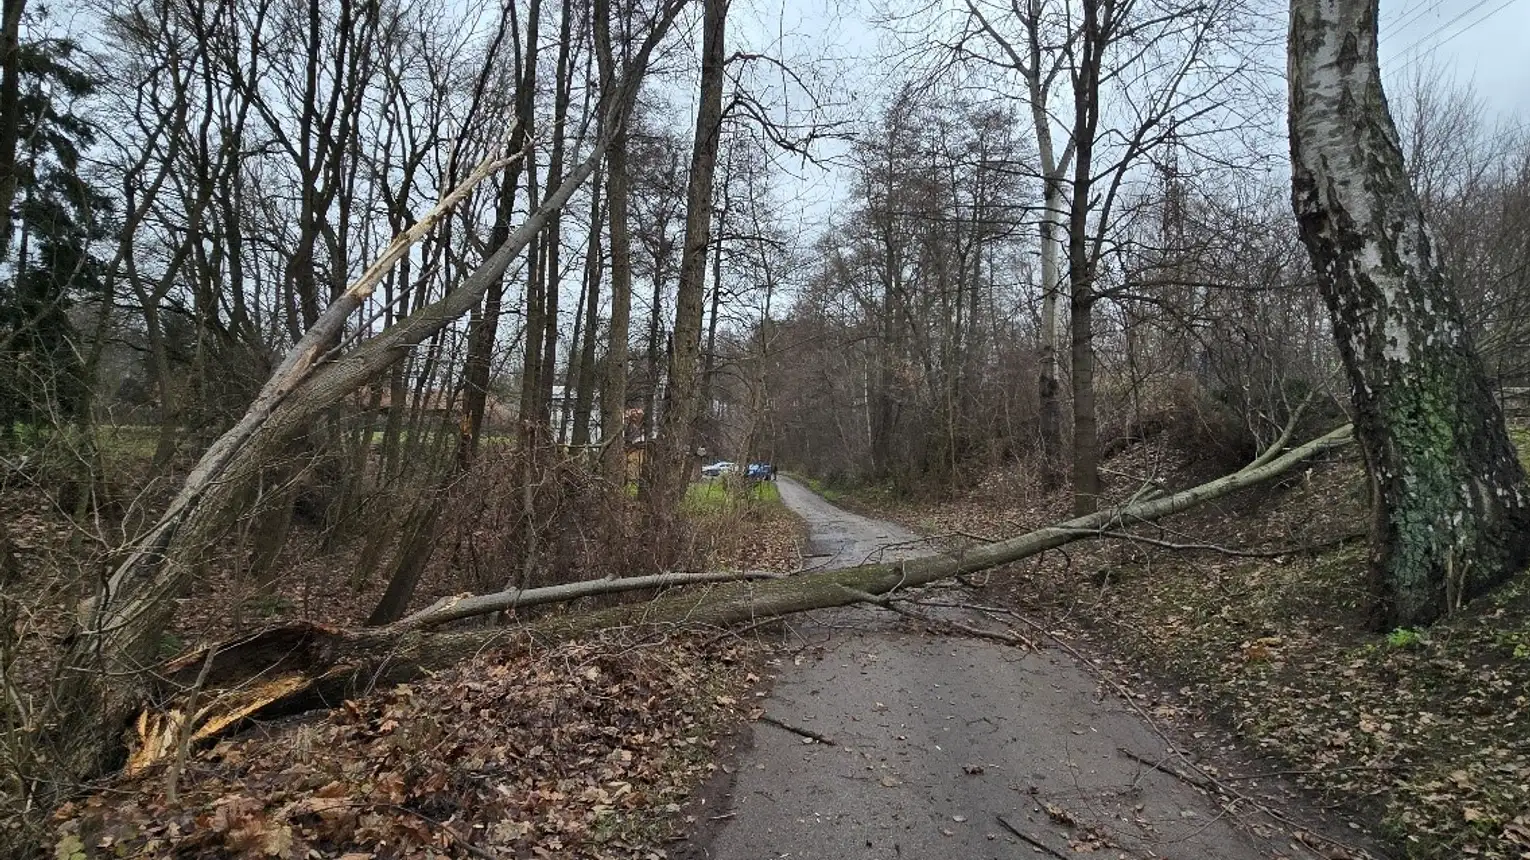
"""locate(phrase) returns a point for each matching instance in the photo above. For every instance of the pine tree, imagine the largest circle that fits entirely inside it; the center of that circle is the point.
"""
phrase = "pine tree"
(57, 218)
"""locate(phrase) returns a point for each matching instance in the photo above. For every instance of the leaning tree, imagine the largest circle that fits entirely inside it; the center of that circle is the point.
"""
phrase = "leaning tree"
(101, 673)
(1452, 516)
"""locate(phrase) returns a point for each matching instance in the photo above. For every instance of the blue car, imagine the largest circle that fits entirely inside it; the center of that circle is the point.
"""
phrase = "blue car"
(760, 472)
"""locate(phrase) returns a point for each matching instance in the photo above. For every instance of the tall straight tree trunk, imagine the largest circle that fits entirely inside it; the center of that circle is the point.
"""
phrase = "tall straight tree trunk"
(1081, 263)
(1049, 391)
(655, 347)
(1452, 516)
(483, 327)
(10, 113)
(613, 388)
(531, 354)
(552, 279)
(709, 357)
(678, 428)
(1032, 59)
(613, 385)
(584, 383)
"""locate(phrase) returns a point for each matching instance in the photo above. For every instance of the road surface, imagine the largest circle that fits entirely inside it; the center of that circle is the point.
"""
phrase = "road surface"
(948, 747)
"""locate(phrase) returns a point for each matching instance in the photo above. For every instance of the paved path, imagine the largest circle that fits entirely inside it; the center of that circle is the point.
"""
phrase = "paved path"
(838, 538)
(947, 746)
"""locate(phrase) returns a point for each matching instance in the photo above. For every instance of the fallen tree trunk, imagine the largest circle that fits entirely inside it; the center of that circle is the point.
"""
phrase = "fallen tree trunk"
(449, 609)
(306, 665)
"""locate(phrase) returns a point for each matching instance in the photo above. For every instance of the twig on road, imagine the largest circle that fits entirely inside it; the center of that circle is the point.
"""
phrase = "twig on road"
(887, 602)
(1163, 768)
(796, 730)
(1220, 786)
(1033, 841)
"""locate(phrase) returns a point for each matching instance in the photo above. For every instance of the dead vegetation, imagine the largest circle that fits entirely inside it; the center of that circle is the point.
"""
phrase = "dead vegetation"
(318, 588)
(580, 750)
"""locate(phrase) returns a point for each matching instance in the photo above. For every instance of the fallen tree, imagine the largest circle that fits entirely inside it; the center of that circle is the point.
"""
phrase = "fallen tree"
(305, 665)
(449, 609)
(104, 669)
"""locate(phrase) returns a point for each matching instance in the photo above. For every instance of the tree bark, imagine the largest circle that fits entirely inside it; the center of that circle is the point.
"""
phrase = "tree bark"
(1049, 392)
(1452, 517)
(10, 113)
(420, 533)
(1081, 262)
(584, 382)
(677, 434)
(554, 272)
(613, 387)
(451, 609)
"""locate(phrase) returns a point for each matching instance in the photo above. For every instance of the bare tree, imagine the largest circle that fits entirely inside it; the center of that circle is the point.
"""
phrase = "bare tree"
(10, 119)
(122, 623)
(677, 439)
(1131, 75)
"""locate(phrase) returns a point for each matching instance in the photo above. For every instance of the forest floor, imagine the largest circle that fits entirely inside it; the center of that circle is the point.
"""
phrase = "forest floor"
(584, 750)
(1261, 630)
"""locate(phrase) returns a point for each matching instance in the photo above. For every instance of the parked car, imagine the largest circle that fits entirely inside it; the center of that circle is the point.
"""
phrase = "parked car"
(718, 469)
(760, 472)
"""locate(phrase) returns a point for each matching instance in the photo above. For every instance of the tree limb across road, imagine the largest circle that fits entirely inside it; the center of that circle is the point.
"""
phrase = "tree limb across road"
(307, 665)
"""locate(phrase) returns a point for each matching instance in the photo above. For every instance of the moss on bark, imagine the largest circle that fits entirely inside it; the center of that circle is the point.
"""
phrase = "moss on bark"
(1453, 517)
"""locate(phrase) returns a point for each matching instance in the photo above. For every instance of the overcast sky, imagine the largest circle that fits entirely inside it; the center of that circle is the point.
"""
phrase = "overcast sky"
(1481, 43)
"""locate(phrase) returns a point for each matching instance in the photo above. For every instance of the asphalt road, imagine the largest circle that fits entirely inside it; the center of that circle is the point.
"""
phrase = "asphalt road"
(948, 747)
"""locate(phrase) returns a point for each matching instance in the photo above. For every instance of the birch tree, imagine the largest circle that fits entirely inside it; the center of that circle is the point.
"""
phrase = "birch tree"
(1452, 514)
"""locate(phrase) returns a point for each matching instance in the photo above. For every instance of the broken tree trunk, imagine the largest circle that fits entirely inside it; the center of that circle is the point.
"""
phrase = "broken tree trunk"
(303, 665)
(102, 671)
(449, 609)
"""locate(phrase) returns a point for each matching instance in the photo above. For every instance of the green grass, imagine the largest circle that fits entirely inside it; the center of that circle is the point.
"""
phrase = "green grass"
(1519, 434)
(128, 441)
(721, 496)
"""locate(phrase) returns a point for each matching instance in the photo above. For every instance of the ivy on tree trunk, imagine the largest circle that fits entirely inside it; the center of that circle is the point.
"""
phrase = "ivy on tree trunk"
(1452, 517)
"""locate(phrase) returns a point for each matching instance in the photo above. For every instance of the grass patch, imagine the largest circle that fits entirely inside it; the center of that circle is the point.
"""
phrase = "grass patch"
(865, 495)
(128, 441)
(738, 525)
(830, 492)
(727, 495)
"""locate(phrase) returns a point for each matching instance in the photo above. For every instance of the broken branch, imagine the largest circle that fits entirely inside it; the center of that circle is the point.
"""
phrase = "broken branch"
(335, 663)
(467, 606)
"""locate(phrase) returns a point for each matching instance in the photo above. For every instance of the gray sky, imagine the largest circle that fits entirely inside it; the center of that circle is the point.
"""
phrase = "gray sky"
(1481, 43)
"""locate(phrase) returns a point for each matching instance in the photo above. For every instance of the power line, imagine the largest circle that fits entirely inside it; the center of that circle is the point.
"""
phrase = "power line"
(1436, 31)
(1506, 4)
(1408, 16)
(1448, 39)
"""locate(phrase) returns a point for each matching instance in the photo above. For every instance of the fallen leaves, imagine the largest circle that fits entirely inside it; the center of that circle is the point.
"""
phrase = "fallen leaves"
(580, 751)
